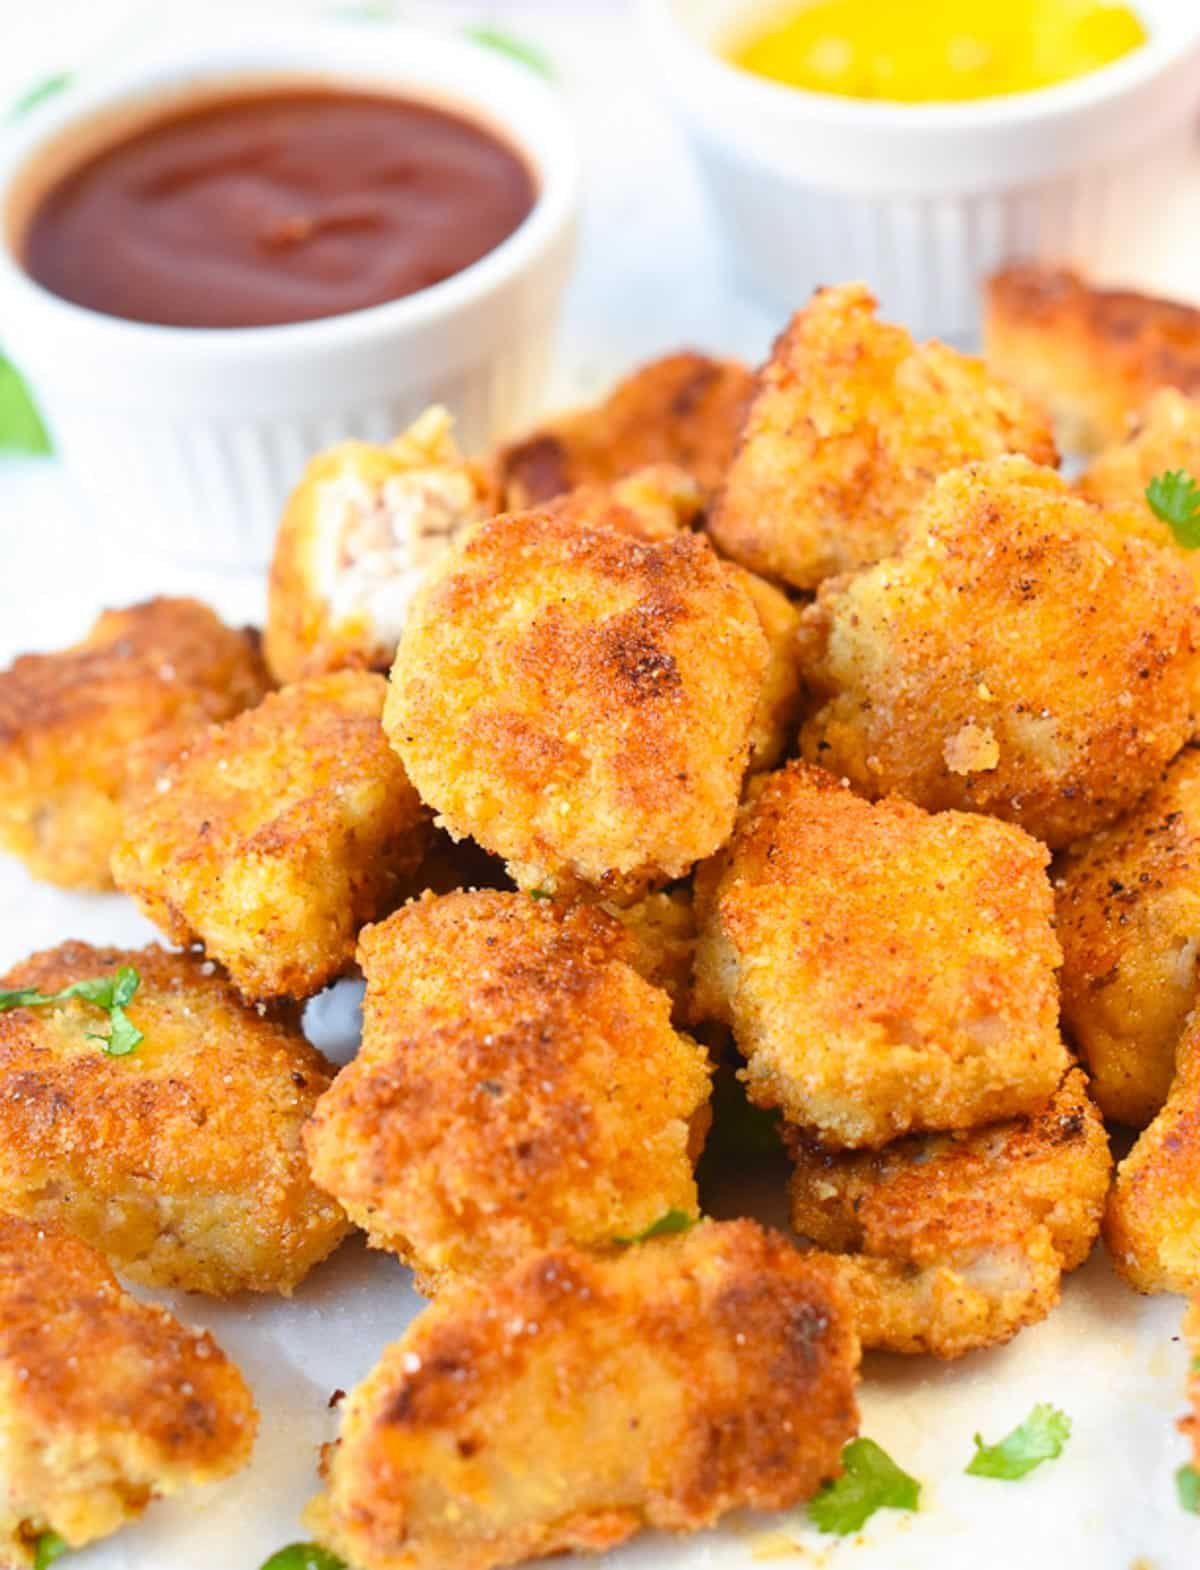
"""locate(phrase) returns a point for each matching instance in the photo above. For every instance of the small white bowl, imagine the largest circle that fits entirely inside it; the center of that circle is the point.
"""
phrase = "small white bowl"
(923, 200)
(192, 437)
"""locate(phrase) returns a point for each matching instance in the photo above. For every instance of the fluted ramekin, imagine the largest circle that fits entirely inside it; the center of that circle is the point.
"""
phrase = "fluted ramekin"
(922, 200)
(191, 437)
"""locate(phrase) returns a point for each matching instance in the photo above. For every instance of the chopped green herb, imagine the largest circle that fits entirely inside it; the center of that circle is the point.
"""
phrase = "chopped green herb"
(1039, 1438)
(21, 428)
(38, 93)
(304, 1556)
(515, 48)
(48, 1547)
(672, 1221)
(110, 993)
(540, 894)
(872, 1481)
(1187, 1486)
(1175, 498)
(1196, 1365)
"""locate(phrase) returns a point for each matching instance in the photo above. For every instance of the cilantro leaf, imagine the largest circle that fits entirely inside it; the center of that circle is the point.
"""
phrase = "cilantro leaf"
(515, 48)
(304, 1556)
(38, 93)
(671, 1221)
(1187, 1486)
(872, 1481)
(1039, 1438)
(48, 1547)
(110, 993)
(1175, 498)
(21, 428)
(540, 894)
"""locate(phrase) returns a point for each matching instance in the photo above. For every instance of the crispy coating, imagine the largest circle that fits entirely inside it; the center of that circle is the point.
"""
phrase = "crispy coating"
(663, 928)
(357, 536)
(578, 1400)
(956, 1241)
(105, 1403)
(80, 728)
(1092, 357)
(782, 694)
(1152, 1225)
(851, 423)
(1025, 654)
(1165, 436)
(684, 409)
(182, 1161)
(580, 701)
(519, 1087)
(274, 838)
(884, 970)
(651, 504)
(1128, 908)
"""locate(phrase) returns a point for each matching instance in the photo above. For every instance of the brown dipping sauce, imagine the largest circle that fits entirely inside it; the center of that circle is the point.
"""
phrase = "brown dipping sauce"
(279, 207)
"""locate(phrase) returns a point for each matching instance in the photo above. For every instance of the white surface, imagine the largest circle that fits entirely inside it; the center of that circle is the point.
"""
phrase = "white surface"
(650, 278)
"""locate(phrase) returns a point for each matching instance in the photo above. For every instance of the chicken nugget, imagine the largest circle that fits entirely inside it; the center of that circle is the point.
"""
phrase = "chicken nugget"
(181, 1161)
(1025, 654)
(884, 970)
(1152, 1225)
(356, 538)
(957, 1241)
(1128, 909)
(105, 1403)
(684, 409)
(81, 728)
(1092, 357)
(850, 424)
(663, 928)
(580, 701)
(579, 1400)
(274, 838)
(519, 1087)
(782, 695)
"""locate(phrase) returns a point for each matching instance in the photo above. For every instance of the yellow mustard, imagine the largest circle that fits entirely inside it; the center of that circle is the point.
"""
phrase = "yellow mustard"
(935, 51)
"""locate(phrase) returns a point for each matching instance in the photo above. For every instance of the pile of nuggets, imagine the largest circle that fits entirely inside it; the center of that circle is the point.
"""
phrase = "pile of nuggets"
(806, 732)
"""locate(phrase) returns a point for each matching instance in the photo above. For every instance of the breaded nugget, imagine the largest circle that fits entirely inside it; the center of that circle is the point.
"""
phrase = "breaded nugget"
(1092, 357)
(519, 1087)
(684, 409)
(579, 701)
(1025, 654)
(1165, 436)
(957, 1241)
(885, 971)
(274, 838)
(1152, 1225)
(782, 695)
(79, 728)
(663, 928)
(182, 1161)
(578, 1400)
(851, 423)
(105, 1403)
(1128, 905)
(356, 538)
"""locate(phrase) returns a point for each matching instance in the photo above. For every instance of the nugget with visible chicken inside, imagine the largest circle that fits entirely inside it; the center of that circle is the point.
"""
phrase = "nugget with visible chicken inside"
(274, 838)
(356, 538)
(105, 1403)
(951, 1242)
(579, 1400)
(181, 1160)
(1025, 655)
(850, 425)
(684, 409)
(884, 970)
(79, 729)
(519, 1087)
(580, 701)
(1128, 907)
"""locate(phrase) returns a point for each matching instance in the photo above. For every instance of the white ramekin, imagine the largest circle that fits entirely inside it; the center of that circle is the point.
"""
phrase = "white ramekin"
(192, 437)
(922, 200)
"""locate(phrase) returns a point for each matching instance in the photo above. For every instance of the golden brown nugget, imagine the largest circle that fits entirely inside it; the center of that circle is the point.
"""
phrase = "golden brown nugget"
(181, 1161)
(579, 1400)
(684, 409)
(356, 538)
(663, 928)
(1165, 436)
(1152, 1225)
(850, 424)
(272, 840)
(105, 1403)
(1092, 357)
(885, 971)
(80, 728)
(579, 701)
(956, 1241)
(1128, 916)
(519, 1087)
(782, 695)
(1025, 654)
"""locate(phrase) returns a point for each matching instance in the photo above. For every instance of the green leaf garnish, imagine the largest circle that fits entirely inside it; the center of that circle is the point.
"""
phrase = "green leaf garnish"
(1175, 498)
(515, 48)
(21, 428)
(540, 894)
(110, 993)
(304, 1556)
(47, 1548)
(1187, 1486)
(672, 1221)
(39, 92)
(872, 1481)
(1039, 1438)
